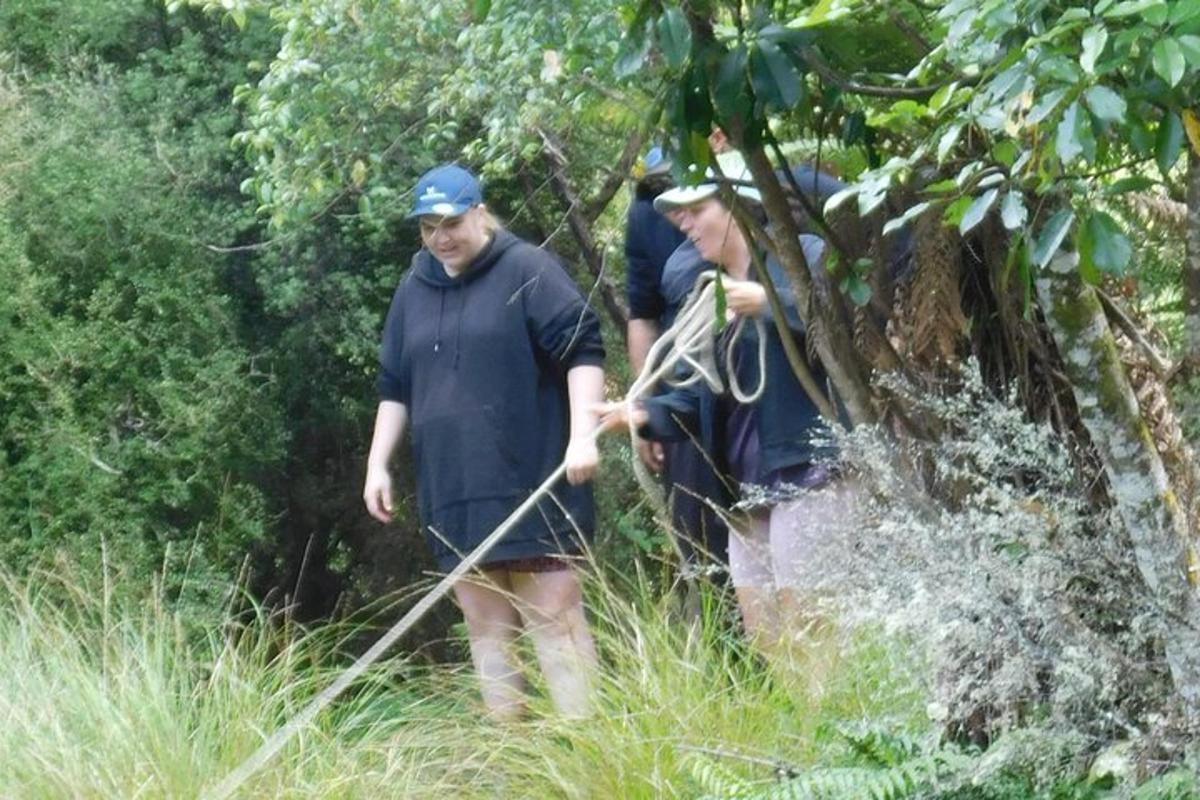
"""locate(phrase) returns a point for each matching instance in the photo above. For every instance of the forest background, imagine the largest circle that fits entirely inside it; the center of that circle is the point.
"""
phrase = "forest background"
(201, 225)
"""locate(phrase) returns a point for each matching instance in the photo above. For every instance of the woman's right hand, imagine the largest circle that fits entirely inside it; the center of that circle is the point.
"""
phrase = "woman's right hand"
(377, 493)
(616, 416)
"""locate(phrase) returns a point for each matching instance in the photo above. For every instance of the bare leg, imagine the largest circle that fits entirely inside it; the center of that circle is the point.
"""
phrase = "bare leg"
(552, 605)
(753, 580)
(492, 625)
(799, 530)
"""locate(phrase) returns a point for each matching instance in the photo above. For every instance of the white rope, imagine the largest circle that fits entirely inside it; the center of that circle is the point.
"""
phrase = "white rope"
(691, 340)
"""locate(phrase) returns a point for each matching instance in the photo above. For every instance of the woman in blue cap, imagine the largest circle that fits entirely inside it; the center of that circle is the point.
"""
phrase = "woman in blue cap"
(492, 356)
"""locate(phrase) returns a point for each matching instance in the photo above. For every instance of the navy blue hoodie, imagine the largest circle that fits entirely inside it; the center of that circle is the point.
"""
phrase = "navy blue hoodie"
(786, 416)
(480, 362)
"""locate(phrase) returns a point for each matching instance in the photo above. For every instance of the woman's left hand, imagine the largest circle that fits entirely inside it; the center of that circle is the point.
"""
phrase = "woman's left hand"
(745, 298)
(582, 460)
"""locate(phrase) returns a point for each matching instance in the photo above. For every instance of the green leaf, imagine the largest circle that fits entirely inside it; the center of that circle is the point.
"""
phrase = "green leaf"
(790, 40)
(947, 142)
(1141, 137)
(1006, 152)
(1051, 237)
(1169, 142)
(1168, 61)
(1190, 46)
(774, 76)
(1073, 15)
(1183, 11)
(1128, 9)
(942, 96)
(1067, 143)
(977, 210)
(954, 213)
(1135, 183)
(697, 104)
(632, 52)
(674, 37)
(854, 128)
(858, 290)
(480, 9)
(942, 186)
(1103, 245)
(907, 217)
(1105, 103)
(1094, 39)
(730, 93)
(1045, 106)
(1012, 210)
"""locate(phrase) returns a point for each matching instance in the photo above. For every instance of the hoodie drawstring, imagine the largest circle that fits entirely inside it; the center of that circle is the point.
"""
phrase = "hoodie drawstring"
(437, 341)
(462, 305)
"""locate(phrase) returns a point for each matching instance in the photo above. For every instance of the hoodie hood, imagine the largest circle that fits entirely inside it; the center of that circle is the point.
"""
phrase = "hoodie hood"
(429, 270)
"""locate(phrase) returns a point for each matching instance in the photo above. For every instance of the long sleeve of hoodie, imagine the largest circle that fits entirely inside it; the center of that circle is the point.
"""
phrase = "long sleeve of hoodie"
(561, 321)
(391, 383)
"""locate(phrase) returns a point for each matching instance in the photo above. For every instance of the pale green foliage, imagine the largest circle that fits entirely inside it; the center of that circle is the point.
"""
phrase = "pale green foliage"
(129, 699)
(1022, 592)
(1032, 97)
(362, 97)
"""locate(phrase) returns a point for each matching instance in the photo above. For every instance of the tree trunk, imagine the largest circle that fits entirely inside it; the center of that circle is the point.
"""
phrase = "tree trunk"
(834, 336)
(1191, 267)
(1139, 484)
(581, 229)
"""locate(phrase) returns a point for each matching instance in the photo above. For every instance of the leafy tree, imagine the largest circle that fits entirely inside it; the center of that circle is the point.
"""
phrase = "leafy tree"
(1017, 125)
(137, 428)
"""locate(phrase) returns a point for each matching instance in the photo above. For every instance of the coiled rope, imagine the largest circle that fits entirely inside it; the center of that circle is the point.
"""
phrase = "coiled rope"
(691, 340)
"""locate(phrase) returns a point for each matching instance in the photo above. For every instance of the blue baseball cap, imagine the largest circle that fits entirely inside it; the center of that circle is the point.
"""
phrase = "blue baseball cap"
(656, 162)
(446, 191)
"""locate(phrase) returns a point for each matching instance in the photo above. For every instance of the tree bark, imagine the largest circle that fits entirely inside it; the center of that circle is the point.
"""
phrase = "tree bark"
(833, 331)
(581, 229)
(1139, 483)
(1191, 268)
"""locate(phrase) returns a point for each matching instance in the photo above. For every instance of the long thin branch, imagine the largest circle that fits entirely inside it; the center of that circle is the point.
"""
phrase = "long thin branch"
(581, 229)
(595, 207)
(822, 68)
(1161, 365)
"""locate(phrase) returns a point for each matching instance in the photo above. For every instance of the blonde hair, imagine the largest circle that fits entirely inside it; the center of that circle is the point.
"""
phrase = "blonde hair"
(491, 223)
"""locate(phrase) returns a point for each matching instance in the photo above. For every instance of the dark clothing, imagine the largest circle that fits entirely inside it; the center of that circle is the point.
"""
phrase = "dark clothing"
(480, 362)
(784, 417)
(817, 187)
(679, 275)
(650, 239)
(662, 267)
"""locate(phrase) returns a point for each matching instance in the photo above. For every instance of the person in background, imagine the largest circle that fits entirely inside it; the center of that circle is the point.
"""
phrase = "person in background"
(651, 239)
(765, 446)
(493, 357)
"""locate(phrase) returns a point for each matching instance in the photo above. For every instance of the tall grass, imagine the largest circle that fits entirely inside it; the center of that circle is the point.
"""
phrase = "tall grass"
(101, 701)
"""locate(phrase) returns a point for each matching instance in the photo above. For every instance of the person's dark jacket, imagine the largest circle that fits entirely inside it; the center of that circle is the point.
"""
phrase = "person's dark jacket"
(480, 362)
(786, 416)
(650, 239)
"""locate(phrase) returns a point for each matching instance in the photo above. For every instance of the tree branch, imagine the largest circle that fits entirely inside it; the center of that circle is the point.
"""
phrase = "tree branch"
(828, 73)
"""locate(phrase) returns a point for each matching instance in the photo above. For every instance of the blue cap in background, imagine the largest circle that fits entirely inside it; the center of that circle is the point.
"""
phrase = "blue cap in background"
(446, 191)
(656, 162)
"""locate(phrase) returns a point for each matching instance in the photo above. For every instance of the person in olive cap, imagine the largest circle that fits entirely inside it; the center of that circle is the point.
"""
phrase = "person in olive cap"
(493, 357)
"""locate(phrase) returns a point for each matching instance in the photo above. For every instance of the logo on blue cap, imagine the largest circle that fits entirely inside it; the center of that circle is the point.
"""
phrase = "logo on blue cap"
(446, 191)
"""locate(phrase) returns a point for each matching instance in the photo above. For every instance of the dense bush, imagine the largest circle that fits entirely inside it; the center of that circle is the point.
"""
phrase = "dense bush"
(1020, 589)
(136, 425)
